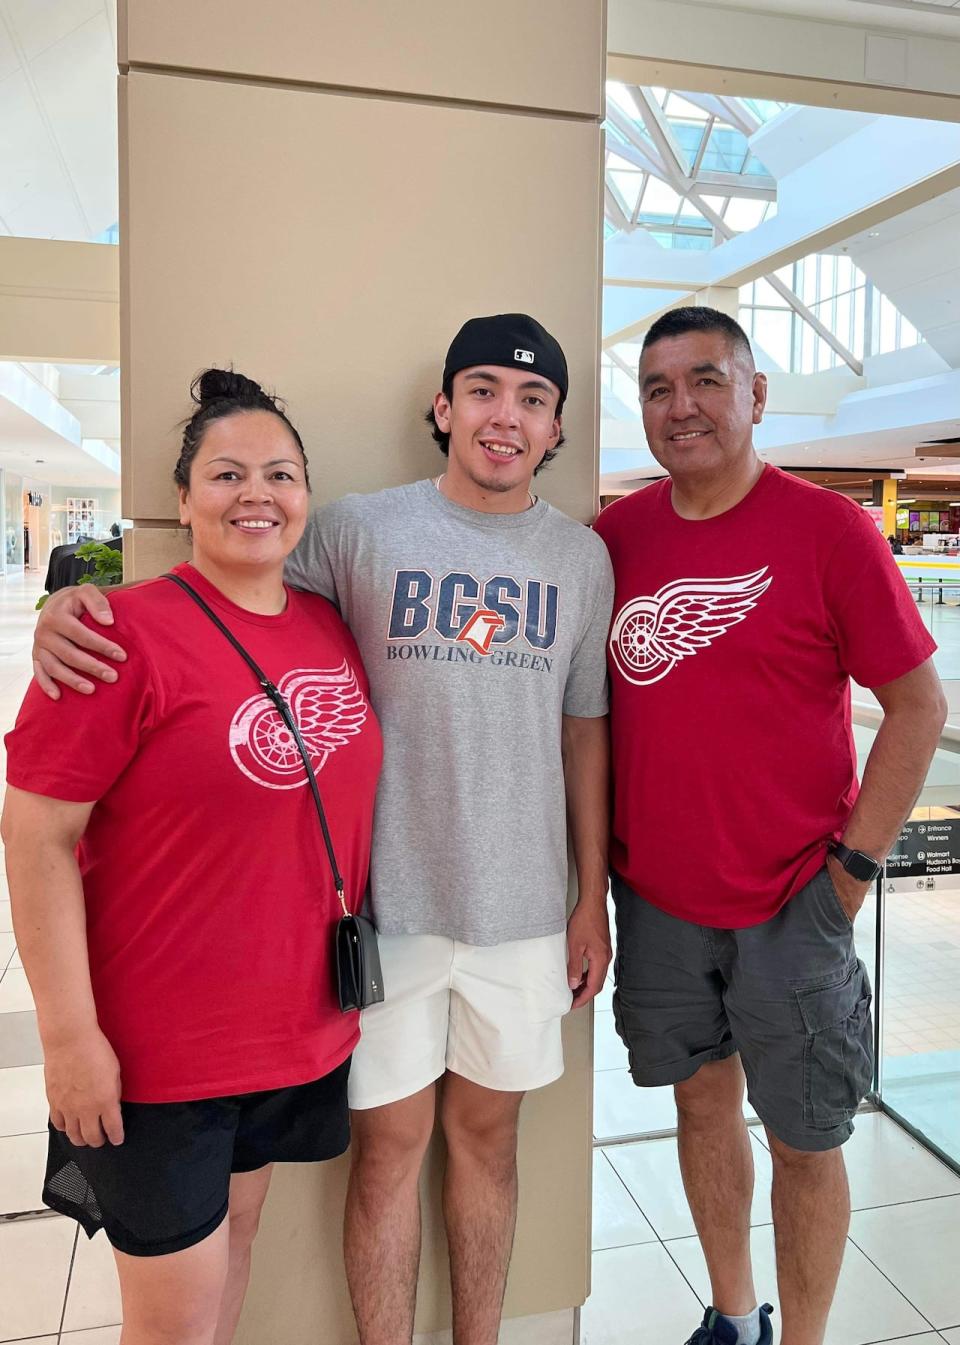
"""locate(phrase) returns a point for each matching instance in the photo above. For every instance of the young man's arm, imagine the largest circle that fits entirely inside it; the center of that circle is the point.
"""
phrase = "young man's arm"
(585, 746)
(65, 650)
(80, 1068)
(914, 712)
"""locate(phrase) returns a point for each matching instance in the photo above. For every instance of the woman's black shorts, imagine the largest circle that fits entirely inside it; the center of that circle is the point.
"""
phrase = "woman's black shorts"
(166, 1187)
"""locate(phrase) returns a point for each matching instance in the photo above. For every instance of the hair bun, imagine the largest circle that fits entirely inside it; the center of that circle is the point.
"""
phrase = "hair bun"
(224, 385)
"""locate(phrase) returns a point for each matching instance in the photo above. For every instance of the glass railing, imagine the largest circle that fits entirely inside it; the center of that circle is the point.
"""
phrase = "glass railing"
(908, 935)
(914, 929)
(934, 582)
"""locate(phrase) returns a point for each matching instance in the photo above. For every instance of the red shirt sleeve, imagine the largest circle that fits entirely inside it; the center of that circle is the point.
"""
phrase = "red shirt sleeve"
(879, 631)
(75, 748)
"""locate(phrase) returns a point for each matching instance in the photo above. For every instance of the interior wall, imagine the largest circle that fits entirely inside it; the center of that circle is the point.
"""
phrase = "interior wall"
(321, 195)
(501, 53)
(338, 272)
(58, 301)
(686, 44)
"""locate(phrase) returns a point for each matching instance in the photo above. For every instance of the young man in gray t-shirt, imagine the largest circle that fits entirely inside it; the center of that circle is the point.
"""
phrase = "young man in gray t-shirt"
(481, 614)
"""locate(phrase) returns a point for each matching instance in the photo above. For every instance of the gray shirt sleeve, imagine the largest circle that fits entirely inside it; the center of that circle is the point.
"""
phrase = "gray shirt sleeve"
(310, 565)
(585, 694)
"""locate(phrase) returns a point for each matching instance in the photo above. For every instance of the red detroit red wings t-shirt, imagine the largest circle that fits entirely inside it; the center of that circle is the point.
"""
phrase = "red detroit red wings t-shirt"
(210, 903)
(730, 653)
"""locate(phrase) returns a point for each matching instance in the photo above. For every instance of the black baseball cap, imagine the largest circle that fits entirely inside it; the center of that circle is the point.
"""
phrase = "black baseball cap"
(512, 341)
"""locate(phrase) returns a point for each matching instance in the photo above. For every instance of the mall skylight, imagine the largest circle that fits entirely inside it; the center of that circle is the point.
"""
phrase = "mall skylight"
(681, 170)
(679, 165)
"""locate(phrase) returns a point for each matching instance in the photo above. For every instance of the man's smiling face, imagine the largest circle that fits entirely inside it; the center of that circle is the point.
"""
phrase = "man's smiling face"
(701, 397)
(501, 422)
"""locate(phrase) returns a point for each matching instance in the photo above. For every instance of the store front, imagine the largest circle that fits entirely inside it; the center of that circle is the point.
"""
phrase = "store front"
(12, 521)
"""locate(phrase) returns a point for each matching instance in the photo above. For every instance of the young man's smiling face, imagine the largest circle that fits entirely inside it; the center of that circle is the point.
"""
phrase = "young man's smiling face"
(701, 397)
(501, 422)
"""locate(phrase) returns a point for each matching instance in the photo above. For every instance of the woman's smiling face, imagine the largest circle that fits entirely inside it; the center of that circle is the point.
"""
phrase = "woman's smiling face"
(247, 501)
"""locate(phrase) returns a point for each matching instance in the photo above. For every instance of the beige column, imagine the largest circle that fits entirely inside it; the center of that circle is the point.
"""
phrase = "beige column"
(58, 301)
(321, 195)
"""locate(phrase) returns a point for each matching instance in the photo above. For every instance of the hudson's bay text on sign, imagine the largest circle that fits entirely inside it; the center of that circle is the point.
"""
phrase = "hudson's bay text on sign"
(926, 848)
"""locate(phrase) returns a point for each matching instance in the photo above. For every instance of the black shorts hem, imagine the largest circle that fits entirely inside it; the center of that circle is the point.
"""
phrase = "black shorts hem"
(154, 1194)
(239, 1169)
(56, 1203)
(125, 1242)
(315, 1155)
(678, 1071)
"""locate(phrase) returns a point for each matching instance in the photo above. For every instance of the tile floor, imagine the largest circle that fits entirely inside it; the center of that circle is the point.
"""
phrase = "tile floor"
(898, 1281)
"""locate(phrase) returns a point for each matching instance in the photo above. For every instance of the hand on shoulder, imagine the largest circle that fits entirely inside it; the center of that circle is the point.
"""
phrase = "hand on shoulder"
(65, 650)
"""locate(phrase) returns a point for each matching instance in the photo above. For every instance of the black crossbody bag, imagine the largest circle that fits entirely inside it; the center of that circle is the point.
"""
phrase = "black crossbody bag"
(356, 953)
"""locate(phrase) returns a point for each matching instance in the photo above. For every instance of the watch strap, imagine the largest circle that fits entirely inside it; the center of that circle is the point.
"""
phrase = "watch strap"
(859, 865)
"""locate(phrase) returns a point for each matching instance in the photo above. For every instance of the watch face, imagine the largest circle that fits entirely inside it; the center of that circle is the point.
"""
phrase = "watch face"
(861, 866)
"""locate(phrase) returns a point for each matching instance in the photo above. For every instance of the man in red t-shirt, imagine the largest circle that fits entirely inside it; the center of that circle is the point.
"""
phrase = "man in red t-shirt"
(742, 851)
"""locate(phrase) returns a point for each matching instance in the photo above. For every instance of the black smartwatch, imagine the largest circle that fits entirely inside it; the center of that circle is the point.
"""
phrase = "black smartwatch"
(860, 866)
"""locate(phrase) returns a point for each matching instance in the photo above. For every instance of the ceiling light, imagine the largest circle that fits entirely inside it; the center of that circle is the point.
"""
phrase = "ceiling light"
(906, 501)
(874, 234)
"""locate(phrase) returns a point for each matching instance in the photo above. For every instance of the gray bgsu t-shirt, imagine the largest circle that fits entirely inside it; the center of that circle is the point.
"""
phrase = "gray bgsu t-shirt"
(478, 631)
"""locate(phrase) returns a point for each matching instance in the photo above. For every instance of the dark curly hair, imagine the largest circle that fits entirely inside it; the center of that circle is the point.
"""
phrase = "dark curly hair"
(219, 393)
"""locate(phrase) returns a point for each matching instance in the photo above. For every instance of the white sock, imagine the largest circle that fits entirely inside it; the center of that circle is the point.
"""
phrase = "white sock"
(748, 1328)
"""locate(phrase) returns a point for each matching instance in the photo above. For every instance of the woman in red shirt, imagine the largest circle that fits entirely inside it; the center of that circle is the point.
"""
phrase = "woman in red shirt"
(173, 899)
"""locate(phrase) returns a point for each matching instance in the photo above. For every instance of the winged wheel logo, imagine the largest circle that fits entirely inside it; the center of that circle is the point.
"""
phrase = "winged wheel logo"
(650, 635)
(329, 708)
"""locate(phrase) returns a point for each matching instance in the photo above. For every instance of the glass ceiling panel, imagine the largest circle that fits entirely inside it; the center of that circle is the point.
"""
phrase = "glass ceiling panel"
(743, 214)
(628, 184)
(754, 168)
(694, 242)
(675, 105)
(707, 142)
(689, 136)
(717, 203)
(710, 146)
(689, 211)
(621, 95)
(660, 199)
(726, 151)
(763, 108)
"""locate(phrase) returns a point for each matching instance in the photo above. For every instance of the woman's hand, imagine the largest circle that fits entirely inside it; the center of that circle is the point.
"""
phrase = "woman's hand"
(82, 1077)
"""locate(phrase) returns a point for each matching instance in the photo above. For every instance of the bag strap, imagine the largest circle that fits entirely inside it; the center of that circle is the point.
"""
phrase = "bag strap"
(286, 714)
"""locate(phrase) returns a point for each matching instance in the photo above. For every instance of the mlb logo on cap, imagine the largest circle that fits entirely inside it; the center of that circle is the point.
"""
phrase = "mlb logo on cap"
(508, 340)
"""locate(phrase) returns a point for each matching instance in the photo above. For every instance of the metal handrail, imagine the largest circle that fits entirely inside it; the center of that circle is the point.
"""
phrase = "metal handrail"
(920, 587)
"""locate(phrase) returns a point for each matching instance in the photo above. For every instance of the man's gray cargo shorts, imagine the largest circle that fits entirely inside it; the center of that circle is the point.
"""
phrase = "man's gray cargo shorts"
(789, 994)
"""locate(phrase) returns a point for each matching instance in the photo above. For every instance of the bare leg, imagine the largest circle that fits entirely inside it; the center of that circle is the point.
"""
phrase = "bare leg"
(174, 1299)
(811, 1214)
(381, 1224)
(247, 1193)
(479, 1202)
(717, 1166)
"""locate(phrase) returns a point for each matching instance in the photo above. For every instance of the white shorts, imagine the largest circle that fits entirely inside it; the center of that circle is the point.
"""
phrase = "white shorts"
(490, 1014)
